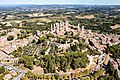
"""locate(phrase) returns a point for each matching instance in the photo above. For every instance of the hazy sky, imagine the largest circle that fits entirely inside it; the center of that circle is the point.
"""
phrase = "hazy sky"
(88, 2)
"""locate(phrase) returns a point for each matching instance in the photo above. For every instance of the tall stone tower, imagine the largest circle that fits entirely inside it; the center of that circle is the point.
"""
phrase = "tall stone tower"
(57, 25)
(54, 28)
(61, 24)
(78, 27)
(66, 25)
(51, 28)
(82, 29)
(20, 24)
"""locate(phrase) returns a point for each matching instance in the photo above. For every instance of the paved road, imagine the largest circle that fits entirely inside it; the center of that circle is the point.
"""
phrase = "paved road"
(20, 76)
(100, 62)
(22, 73)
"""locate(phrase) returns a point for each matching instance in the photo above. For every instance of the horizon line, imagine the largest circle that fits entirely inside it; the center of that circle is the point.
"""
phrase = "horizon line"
(63, 4)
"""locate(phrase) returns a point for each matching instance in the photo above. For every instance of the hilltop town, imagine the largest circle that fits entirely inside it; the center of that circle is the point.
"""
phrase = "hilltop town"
(65, 43)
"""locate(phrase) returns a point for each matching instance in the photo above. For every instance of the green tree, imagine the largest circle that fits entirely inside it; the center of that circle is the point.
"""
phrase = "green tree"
(99, 73)
(57, 76)
(41, 39)
(27, 61)
(2, 69)
(41, 76)
(112, 74)
(53, 78)
(30, 74)
(9, 38)
(63, 63)
(50, 35)
(74, 48)
(115, 50)
(65, 76)
(1, 77)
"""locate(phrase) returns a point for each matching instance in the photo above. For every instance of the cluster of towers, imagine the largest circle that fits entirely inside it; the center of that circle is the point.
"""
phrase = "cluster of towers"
(57, 27)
